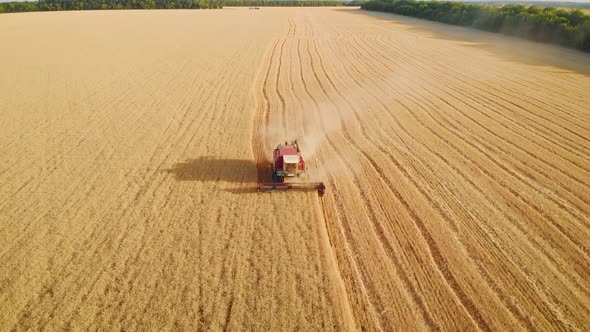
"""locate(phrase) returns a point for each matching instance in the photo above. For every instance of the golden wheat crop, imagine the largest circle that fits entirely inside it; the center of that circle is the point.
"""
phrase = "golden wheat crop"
(457, 164)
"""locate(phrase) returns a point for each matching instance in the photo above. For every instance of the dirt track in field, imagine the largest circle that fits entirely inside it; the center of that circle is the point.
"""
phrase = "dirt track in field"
(457, 172)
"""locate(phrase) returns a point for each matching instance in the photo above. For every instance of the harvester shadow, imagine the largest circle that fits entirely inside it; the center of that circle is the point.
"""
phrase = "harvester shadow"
(215, 169)
(252, 189)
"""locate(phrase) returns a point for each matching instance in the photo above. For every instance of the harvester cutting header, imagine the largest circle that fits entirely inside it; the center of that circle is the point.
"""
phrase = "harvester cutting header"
(289, 163)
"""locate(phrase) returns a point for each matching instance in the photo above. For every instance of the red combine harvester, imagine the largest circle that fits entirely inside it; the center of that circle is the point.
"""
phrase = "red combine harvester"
(288, 163)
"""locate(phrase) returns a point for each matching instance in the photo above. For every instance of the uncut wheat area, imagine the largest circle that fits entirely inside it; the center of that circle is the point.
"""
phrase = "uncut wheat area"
(457, 167)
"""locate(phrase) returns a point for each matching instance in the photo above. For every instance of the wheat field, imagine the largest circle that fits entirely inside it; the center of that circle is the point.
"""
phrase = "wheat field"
(457, 166)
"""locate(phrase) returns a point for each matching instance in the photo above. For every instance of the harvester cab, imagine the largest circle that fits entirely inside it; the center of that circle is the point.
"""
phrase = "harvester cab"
(289, 163)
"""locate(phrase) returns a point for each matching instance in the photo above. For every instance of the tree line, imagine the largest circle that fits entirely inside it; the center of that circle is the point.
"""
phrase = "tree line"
(283, 3)
(565, 27)
(56, 5)
(543, 3)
